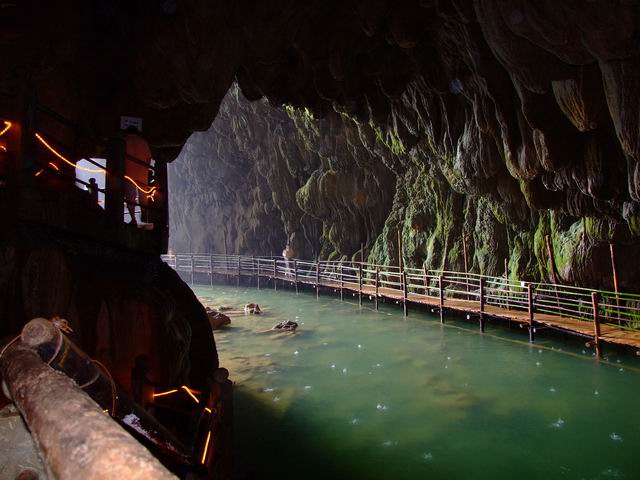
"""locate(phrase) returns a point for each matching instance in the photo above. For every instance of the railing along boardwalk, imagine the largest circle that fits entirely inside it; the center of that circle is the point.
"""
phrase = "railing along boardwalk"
(598, 315)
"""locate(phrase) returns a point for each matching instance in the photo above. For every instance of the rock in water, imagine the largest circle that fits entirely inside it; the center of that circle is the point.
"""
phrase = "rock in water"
(218, 320)
(287, 325)
(252, 308)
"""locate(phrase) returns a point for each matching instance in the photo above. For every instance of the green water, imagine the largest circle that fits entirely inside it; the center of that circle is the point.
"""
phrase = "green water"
(360, 394)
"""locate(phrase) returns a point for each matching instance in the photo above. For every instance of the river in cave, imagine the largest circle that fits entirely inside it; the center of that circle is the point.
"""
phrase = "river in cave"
(357, 394)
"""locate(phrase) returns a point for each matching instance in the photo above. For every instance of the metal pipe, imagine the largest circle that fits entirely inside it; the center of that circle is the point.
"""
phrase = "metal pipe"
(75, 437)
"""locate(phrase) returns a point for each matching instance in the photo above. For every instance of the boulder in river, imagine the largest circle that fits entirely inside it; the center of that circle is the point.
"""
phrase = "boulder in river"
(252, 308)
(218, 320)
(287, 325)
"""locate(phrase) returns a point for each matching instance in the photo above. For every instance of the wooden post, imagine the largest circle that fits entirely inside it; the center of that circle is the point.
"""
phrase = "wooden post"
(192, 268)
(482, 305)
(441, 294)
(211, 270)
(295, 273)
(239, 271)
(275, 273)
(404, 292)
(318, 278)
(596, 324)
(530, 310)
(360, 285)
(615, 279)
(377, 285)
(258, 281)
(341, 282)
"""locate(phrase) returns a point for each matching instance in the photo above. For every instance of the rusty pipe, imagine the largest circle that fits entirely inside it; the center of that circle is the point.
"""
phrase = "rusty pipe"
(62, 354)
(76, 439)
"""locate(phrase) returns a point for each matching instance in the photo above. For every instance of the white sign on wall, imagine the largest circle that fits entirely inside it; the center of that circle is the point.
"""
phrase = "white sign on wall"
(126, 122)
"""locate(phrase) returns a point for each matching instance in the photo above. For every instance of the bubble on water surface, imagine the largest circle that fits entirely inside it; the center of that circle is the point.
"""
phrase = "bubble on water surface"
(359, 346)
(333, 365)
(558, 423)
(325, 343)
(267, 354)
(612, 473)
(552, 390)
(271, 372)
(296, 352)
(621, 370)
(428, 456)
(354, 421)
(344, 370)
(615, 437)
(538, 364)
(596, 393)
(389, 443)
(307, 387)
(276, 399)
(268, 389)
(381, 407)
(378, 365)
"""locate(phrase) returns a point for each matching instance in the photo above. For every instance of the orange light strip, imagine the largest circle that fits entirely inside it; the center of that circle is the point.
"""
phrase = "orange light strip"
(64, 159)
(54, 166)
(162, 394)
(206, 448)
(7, 126)
(207, 409)
(39, 172)
(186, 389)
(3, 148)
(149, 191)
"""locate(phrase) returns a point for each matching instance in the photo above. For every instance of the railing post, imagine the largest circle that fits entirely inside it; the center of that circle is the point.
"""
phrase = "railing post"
(317, 278)
(360, 285)
(341, 282)
(596, 324)
(482, 305)
(441, 298)
(530, 310)
(295, 273)
(258, 274)
(404, 292)
(114, 184)
(275, 273)
(239, 272)
(377, 285)
(211, 270)
(426, 280)
(192, 269)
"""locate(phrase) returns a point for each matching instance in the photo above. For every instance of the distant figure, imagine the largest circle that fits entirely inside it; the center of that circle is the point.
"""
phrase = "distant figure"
(137, 163)
(287, 253)
(93, 189)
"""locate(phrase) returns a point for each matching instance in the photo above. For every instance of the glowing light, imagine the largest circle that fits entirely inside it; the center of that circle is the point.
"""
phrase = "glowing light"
(64, 159)
(39, 172)
(207, 409)
(186, 389)
(3, 148)
(149, 191)
(7, 126)
(162, 394)
(54, 166)
(206, 448)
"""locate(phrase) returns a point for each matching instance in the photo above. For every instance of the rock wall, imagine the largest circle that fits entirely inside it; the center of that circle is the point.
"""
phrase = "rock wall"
(119, 303)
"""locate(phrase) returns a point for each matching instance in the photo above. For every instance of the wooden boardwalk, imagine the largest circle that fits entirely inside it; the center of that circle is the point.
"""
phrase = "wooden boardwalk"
(598, 316)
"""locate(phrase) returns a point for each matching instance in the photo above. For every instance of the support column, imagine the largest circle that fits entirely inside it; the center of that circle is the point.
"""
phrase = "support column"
(239, 272)
(404, 293)
(441, 295)
(596, 324)
(318, 278)
(275, 274)
(360, 284)
(341, 283)
(532, 332)
(295, 274)
(377, 285)
(258, 281)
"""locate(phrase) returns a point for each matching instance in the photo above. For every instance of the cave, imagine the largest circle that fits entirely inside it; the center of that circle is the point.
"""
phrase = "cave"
(474, 161)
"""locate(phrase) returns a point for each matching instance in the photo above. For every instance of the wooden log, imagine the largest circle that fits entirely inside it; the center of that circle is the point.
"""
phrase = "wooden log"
(404, 293)
(377, 286)
(76, 439)
(360, 284)
(596, 323)
(482, 300)
(441, 300)
(530, 311)
(295, 274)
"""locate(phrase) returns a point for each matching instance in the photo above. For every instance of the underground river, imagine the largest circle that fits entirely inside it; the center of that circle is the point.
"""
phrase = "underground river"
(360, 394)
